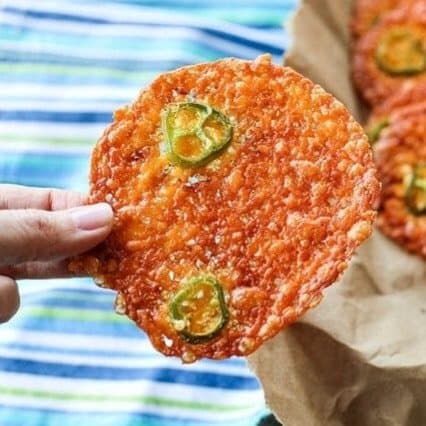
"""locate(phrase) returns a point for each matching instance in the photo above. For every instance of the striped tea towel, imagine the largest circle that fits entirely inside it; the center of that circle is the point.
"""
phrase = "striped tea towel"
(67, 358)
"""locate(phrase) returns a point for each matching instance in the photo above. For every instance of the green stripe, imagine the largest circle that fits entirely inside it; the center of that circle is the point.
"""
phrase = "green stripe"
(74, 314)
(45, 140)
(73, 70)
(152, 400)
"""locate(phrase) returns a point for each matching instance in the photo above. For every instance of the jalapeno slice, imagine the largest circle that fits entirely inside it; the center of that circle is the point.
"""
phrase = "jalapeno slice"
(195, 133)
(415, 195)
(401, 53)
(198, 310)
(375, 129)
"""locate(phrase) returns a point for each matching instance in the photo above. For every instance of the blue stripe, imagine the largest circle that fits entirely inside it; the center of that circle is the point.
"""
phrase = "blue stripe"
(69, 97)
(47, 77)
(92, 290)
(154, 374)
(75, 18)
(81, 296)
(56, 302)
(46, 417)
(89, 328)
(118, 353)
(57, 16)
(226, 4)
(46, 158)
(140, 65)
(58, 298)
(40, 181)
(145, 45)
(43, 170)
(260, 46)
(57, 117)
(181, 45)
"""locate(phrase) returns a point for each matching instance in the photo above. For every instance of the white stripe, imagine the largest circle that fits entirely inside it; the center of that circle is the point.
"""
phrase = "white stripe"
(136, 346)
(124, 388)
(62, 92)
(39, 286)
(129, 363)
(29, 146)
(136, 31)
(76, 341)
(129, 407)
(104, 297)
(37, 129)
(59, 106)
(115, 13)
(99, 54)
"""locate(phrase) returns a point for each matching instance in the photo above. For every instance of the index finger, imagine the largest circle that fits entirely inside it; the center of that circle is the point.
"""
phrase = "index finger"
(22, 197)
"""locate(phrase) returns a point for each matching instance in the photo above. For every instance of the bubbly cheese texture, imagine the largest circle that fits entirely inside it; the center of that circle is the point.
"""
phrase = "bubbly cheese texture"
(401, 159)
(274, 218)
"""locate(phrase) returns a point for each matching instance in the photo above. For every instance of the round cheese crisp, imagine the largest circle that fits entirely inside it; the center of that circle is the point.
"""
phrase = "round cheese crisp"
(367, 13)
(392, 53)
(407, 101)
(240, 191)
(401, 160)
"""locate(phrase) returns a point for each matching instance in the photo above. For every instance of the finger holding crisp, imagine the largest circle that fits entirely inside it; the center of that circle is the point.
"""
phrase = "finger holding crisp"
(392, 53)
(240, 191)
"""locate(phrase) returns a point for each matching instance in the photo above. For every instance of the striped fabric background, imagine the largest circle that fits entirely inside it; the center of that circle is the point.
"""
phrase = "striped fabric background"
(66, 358)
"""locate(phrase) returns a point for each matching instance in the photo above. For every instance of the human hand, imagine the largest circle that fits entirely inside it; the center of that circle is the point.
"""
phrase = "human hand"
(39, 229)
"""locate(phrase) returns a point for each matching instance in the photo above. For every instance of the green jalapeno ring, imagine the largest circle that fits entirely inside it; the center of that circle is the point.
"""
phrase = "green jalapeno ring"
(216, 116)
(174, 135)
(186, 298)
(416, 183)
(168, 115)
(415, 46)
(420, 183)
(206, 140)
(374, 130)
(187, 160)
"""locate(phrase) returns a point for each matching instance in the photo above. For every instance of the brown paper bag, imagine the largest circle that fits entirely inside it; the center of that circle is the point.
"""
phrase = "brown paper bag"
(359, 358)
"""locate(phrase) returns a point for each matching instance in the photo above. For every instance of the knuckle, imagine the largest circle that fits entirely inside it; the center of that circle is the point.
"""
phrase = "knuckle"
(41, 225)
(45, 234)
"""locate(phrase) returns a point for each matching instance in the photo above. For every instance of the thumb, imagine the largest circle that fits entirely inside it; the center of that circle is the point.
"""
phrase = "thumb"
(29, 235)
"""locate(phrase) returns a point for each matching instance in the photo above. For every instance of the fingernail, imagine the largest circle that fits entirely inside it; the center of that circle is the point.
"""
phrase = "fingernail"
(92, 217)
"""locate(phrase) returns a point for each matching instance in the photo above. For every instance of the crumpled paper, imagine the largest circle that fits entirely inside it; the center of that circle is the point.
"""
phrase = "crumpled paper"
(359, 358)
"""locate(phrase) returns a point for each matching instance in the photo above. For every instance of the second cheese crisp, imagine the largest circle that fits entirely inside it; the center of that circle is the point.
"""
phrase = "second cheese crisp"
(401, 160)
(368, 13)
(392, 53)
(240, 191)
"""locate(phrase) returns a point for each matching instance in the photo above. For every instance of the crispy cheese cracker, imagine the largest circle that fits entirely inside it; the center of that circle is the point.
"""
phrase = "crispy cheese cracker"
(401, 161)
(392, 53)
(240, 191)
(368, 13)
(407, 101)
